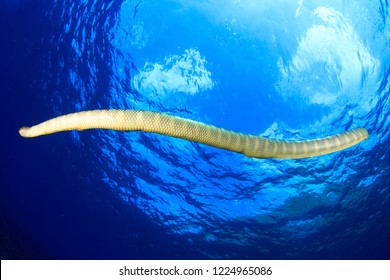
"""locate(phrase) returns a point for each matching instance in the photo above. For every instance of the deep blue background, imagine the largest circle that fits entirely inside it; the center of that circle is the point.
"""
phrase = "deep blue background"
(109, 195)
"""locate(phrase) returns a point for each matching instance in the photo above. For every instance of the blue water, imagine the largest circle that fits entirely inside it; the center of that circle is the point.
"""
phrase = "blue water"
(281, 69)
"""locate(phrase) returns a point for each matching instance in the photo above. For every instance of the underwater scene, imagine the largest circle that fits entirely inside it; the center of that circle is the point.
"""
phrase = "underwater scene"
(279, 69)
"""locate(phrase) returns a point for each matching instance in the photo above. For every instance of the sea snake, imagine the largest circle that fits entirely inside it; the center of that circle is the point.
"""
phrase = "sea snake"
(249, 145)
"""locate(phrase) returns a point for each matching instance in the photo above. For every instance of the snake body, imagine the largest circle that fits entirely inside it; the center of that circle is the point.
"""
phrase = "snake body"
(249, 145)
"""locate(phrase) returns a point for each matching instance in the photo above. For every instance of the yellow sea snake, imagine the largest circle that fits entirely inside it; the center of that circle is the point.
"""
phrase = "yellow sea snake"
(249, 145)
